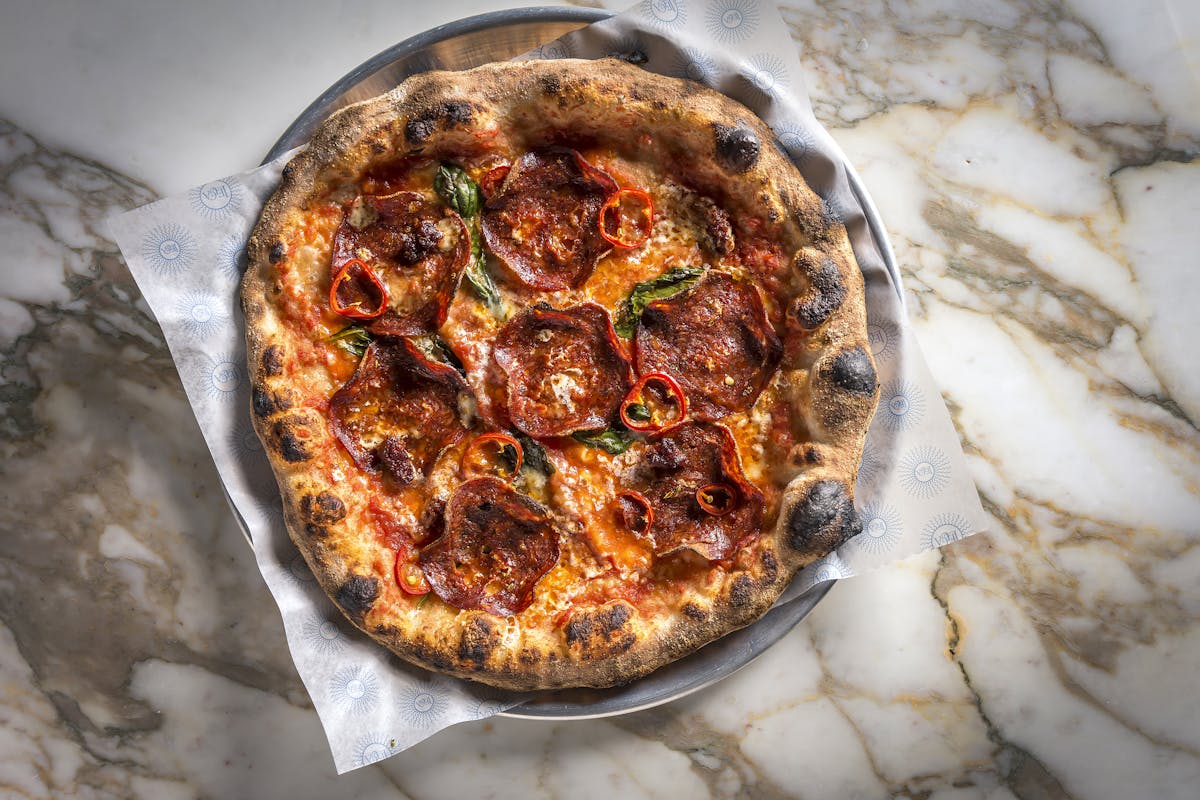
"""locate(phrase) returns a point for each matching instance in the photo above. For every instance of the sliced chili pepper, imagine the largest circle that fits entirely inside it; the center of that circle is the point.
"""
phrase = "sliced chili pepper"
(409, 576)
(717, 499)
(627, 218)
(491, 180)
(636, 512)
(493, 454)
(652, 393)
(356, 292)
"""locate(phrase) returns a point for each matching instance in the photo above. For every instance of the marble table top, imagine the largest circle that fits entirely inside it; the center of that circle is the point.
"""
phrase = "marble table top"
(1036, 166)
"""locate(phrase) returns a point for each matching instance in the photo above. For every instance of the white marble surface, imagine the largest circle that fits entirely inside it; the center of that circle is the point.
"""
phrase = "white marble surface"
(1036, 166)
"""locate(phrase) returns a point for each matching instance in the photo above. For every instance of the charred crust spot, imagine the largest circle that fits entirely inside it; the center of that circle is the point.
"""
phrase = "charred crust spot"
(737, 147)
(291, 445)
(551, 84)
(825, 295)
(770, 566)
(456, 112)
(357, 595)
(324, 508)
(694, 612)
(267, 403)
(418, 129)
(823, 519)
(602, 631)
(741, 594)
(853, 372)
(272, 360)
(316, 531)
(275, 254)
(479, 640)
(529, 656)
(261, 402)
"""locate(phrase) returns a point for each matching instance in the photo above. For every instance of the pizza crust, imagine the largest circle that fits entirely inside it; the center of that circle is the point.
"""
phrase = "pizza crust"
(830, 378)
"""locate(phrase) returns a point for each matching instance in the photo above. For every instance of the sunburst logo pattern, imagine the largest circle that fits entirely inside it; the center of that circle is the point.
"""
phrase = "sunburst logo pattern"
(944, 529)
(169, 249)
(732, 21)
(924, 471)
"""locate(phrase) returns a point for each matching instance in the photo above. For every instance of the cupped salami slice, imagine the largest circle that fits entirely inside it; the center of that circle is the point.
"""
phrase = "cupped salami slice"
(544, 223)
(399, 410)
(677, 465)
(416, 247)
(715, 340)
(497, 545)
(566, 371)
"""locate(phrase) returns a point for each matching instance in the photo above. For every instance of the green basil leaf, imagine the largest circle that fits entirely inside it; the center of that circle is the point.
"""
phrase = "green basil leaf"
(462, 194)
(638, 412)
(669, 283)
(435, 349)
(353, 339)
(477, 273)
(456, 188)
(615, 440)
(535, 455)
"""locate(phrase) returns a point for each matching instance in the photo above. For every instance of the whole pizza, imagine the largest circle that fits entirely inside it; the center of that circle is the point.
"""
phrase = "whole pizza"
(561, 366)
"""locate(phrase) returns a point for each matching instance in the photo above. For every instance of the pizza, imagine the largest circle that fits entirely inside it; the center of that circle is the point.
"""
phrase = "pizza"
(561, 367)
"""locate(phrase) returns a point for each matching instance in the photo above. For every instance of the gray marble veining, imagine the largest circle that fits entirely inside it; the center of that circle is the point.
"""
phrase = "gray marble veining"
(1036, 166)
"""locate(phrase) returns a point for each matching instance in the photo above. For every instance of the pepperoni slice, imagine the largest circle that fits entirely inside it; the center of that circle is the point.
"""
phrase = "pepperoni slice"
(543, 224)
(417, 248)
(715, 340)
(398, 411)
(498, 544)
(566, 370)
(675, 467)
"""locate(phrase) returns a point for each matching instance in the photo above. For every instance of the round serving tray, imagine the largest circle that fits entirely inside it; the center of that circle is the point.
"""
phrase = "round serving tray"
(500, 36)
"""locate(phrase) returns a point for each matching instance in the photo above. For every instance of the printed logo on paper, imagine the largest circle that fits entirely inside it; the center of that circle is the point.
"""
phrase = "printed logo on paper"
(696, 66)
(216, 199)
(731, 21)
(199, 316)
(798, 143)
(944, 529)
(169, 249)
(872, 464)
(422, 704)
(223, 378)
(882, 336)
(882, 528)
(355, 689)
(768, 73)
(924, 471)
(321, 634)
(901, 405)
(372, 748)
(670, 14)
(231, 257)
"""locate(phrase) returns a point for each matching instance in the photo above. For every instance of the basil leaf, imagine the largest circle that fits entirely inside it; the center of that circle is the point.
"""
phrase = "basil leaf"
(669, 283)
(508, 454)
(462, 194)
(435, 348)
(456, 188)
(615, 440)
(353, 339)
(477, 273)
(535, 455)
(637, 412)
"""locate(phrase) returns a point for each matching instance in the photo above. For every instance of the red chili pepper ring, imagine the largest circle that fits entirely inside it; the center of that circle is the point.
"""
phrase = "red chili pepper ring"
(409, 576)
(717, 499)
(635, 512)
(356, 292)
(485, 456)
(645, 408)
(627, 218)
